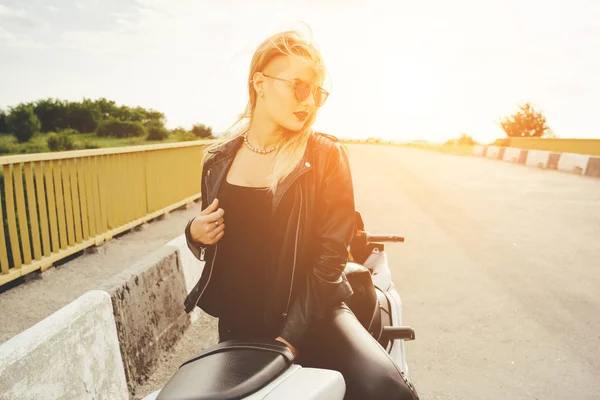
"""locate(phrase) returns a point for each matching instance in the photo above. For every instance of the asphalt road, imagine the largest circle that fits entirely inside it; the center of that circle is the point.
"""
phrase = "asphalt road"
(499, 275)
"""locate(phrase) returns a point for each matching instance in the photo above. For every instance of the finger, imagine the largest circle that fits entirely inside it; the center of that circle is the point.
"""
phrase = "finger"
(215, 216)
(217, 230)
(212, 207)
(219, 236)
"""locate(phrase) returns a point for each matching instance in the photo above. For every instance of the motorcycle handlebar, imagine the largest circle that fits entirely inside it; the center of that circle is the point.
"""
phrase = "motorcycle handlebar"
(384, 238)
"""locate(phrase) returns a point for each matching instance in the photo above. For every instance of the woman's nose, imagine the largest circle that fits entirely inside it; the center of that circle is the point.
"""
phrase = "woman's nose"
(310, 99)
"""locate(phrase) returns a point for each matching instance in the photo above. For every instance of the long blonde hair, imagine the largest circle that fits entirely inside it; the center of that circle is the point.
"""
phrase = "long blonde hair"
(293, 145)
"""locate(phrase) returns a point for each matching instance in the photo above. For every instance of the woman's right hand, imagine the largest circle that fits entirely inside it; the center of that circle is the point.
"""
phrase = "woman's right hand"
(209, 226)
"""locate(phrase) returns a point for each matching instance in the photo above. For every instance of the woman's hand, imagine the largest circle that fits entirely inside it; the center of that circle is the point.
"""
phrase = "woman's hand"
(209, 226)
(292, 348)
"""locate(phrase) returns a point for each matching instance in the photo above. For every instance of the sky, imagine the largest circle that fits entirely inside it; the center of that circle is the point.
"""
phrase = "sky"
(399, 70)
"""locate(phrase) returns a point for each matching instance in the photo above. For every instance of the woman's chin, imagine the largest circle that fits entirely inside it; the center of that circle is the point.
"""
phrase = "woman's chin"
(293, 126)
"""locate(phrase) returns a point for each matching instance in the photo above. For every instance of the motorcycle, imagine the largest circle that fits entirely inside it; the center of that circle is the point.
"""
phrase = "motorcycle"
(257, 370)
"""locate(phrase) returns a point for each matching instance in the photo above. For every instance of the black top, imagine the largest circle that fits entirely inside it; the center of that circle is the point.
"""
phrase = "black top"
(241, 259)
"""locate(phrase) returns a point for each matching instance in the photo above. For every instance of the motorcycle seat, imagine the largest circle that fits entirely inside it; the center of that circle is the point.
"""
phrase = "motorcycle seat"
(229, 370)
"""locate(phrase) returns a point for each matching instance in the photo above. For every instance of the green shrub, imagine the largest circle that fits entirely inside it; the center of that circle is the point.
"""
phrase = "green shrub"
(186, 136)
(178, 131)
(61, 141)
(7, 144)
(157, 131)
(23, 122)
(120, 129)
(202, 131)
(32, 148)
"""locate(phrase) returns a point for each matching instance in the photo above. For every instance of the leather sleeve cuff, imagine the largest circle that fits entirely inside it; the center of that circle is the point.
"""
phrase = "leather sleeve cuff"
(195, 247)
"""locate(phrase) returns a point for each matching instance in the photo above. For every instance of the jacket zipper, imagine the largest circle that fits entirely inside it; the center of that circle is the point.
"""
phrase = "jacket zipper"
(209, 276)
(295, 256)
(203, 252)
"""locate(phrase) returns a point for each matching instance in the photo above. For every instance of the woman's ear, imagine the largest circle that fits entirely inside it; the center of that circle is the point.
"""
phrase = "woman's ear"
(258, 80)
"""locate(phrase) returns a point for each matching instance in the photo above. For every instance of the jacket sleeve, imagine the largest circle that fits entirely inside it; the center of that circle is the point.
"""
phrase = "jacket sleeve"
(334, 219)
(196, 247)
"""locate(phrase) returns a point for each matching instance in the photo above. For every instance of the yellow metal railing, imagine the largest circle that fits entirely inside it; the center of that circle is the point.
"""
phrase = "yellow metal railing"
(580, 146)
(53, 205)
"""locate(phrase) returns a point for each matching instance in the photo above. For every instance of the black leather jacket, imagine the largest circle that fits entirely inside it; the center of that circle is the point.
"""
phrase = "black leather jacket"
(313, 220)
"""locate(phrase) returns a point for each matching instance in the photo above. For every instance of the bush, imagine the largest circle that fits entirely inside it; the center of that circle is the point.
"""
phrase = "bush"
(33, 148)
(157, 131)
(23, 122)
(186, 136)
(178, 131)
(121, 129)
(202, 131)
(5, 148)
(504, 142)
(61, 141)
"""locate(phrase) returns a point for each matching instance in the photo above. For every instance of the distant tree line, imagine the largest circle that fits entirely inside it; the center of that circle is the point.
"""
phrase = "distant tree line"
(102, 116)
(526, 122)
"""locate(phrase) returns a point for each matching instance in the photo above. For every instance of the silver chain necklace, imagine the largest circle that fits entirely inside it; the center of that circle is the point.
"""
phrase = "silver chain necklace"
(254, 149)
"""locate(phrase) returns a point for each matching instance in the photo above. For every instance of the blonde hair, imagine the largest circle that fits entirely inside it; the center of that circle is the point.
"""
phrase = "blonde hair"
(293, 145)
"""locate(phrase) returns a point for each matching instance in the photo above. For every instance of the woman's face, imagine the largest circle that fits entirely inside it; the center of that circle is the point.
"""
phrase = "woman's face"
(284, 80)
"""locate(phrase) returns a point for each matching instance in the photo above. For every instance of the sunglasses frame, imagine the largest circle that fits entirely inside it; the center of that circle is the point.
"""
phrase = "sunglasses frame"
(295, 82)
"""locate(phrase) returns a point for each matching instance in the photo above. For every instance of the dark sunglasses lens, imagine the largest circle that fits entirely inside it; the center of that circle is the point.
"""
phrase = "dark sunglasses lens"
(301, 91)
(320, 97)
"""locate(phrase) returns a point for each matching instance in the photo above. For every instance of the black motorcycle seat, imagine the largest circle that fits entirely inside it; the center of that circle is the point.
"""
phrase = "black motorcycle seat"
(229, 370)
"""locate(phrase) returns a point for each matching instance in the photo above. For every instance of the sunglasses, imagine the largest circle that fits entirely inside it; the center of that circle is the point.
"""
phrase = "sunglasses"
(303, 90)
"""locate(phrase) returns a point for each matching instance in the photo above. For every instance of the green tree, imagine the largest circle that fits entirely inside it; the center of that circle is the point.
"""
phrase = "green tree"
(121, 129)
(22, 122)
(52, 114)
(83, 117)
(108, 108)
(202, 131)
(3, 127)
(526, 122)
(156, 131)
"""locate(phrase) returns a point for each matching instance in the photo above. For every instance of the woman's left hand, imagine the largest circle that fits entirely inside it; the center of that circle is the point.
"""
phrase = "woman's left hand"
(292, 348)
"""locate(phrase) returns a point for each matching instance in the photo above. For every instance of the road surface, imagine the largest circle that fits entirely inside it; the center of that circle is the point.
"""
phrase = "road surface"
(500, 274)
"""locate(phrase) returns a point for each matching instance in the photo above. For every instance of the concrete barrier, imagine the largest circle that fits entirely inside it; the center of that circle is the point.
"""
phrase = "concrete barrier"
(147, 299)
(492, 152)
(511, 154)
(71, 354)
(523, 156)
(553, 161)
(593, 167)
(478, 150)
(571, 162)
(537, 158)
(550, 158)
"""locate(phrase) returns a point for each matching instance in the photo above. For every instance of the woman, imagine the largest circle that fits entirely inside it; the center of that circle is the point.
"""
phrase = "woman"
(276, 222)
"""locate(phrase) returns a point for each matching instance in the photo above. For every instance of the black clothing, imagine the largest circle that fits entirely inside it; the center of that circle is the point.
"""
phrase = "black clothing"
(311, 226)
(340, 343)
(240, 265)
(312, 223)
